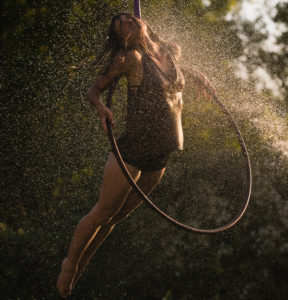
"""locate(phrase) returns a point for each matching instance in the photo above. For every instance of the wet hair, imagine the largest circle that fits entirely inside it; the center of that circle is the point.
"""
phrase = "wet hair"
(114, 44)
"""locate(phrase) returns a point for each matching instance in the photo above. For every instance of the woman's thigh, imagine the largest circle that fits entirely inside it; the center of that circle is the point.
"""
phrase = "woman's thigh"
(147, 183)
(114, 188)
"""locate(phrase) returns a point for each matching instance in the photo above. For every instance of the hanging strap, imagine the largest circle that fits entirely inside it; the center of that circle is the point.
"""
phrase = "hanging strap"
(137, 8)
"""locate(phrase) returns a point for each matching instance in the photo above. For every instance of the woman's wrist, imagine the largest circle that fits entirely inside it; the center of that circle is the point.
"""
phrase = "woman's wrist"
(96, 102)
(94, 97)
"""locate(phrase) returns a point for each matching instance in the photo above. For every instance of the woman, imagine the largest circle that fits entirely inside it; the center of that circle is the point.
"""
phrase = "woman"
(153, 131)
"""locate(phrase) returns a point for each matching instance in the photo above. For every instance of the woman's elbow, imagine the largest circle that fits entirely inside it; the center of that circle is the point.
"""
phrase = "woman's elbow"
(89, 92)
(175, 49)
(92, 93)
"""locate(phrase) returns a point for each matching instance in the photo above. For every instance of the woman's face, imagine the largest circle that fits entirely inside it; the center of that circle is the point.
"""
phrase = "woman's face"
(129, 29)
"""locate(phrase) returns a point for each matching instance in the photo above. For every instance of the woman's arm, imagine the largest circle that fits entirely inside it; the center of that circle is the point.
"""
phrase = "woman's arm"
(202, 85)
(116, 69)
(175, 48)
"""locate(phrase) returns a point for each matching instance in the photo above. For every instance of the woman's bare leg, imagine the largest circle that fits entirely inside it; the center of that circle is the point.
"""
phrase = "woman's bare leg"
(113, 193)
(147, 182)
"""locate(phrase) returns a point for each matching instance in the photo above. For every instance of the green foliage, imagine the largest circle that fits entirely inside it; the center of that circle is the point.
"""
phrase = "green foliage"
(273, 60)
(54, 151)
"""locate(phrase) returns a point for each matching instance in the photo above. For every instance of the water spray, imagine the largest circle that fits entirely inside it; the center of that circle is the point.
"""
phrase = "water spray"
(143, 196)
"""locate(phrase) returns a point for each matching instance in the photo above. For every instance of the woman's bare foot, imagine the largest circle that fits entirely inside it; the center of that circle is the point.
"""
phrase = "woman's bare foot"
(65, 279)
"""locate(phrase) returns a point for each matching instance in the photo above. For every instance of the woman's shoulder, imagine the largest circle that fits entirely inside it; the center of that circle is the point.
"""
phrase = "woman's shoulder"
(124, 58)
(174, 48)
(133, 59)
(133, 54)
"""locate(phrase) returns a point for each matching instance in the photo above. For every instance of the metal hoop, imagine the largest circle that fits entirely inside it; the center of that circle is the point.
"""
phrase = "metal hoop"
(142, 195)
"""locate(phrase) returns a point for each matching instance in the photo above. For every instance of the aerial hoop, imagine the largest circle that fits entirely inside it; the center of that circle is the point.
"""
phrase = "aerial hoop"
(143, 196)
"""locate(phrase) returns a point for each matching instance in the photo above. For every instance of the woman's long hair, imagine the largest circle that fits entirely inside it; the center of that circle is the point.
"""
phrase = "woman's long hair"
(113, 44)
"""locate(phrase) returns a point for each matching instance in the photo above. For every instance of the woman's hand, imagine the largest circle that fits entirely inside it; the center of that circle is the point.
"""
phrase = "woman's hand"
(116, 68)
(203, 88)
(104, 114)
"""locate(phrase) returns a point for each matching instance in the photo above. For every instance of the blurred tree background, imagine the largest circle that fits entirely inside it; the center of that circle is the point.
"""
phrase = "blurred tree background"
(53, 153)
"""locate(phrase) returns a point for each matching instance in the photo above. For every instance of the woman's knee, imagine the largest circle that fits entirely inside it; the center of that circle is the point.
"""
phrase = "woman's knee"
(101, 215)
(119, 217)
(124, 213)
